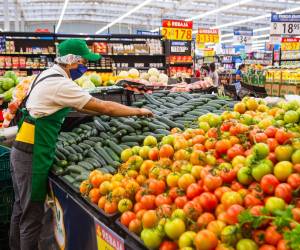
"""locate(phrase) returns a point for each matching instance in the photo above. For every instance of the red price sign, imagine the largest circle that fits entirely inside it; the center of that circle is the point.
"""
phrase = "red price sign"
(208, 36)
(290, 44)
(177, 30)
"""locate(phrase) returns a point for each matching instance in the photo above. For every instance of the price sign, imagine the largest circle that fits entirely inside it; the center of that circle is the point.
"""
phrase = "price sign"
(177, 30)
(243, 36)
(285, 24)
(209, 52)
(288, 44)
(208, 36)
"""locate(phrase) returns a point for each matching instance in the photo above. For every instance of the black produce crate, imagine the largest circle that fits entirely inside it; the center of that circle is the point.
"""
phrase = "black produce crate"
(6, 201)
(4, 236)
(4, 163)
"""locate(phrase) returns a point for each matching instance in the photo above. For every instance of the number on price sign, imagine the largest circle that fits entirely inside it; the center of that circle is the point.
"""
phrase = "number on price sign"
(177, 34)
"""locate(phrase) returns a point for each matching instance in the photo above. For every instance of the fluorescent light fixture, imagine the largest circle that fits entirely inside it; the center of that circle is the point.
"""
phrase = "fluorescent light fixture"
(61, 16)
(227, 41)
(136, 8)
(226, 7)
(254, 18)
(155, 30)
(261, 36)
(262, 29)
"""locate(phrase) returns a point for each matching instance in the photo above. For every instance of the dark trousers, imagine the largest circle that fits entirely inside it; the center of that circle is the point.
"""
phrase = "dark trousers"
(26, 220)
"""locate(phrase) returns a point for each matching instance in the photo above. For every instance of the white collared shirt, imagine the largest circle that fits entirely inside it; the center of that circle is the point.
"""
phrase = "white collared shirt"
(55, 93)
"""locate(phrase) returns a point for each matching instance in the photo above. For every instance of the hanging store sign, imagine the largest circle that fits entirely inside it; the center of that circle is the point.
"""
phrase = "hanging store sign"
(209, 52)
(242, 36)
(289, 44)
(177, 30)
(208, 36)
(285, 24)
(180, 48)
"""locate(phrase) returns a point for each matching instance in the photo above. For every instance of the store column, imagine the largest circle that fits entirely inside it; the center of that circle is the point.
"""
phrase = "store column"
(6, 15)
(17, 16)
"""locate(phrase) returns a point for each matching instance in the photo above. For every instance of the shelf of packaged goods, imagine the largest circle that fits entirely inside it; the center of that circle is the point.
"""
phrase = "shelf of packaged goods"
(26, 54)
(100, 69)
(180, 63)
(227, 62)
(23, 68)
(140, 55)
(138, 68)
(289, 60)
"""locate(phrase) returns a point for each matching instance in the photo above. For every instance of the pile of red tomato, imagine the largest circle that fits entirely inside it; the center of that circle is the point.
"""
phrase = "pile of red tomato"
(188, 191)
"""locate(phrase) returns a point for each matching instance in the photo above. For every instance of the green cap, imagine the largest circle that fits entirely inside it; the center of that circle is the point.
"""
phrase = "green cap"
(77, 47)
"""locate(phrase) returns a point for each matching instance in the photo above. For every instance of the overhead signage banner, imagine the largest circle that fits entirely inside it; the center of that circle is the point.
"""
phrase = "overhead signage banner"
(146, 32)
(242, 36)
(208, 36)
(290, 44)
(177, 30)
(285, 24)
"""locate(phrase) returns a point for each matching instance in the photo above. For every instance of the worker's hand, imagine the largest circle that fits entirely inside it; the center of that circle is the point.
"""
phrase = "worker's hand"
(145, 112)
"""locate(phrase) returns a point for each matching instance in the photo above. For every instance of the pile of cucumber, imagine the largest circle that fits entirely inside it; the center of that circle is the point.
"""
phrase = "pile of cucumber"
(98, 144)
(183, 108)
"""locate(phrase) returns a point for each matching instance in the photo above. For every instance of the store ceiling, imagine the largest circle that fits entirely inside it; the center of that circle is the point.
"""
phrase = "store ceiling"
(149, 17)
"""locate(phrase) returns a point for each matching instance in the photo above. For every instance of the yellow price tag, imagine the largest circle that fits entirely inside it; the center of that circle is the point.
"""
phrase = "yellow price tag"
(177, 34)
(207, 38)
(290, 46)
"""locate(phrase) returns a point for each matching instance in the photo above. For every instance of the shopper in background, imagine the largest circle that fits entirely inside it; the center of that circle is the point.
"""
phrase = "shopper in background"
(239, 77)
(213, 74)
(204, 71)
(52, 94)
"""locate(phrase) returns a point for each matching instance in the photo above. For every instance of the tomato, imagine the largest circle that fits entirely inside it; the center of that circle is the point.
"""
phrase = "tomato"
(231, 198)
(256, 210)
(186, 239)
(153, 154)
(259, 236)
(294, 180)
(222, 146)
(168, 245)
(271, 131)
(284, 191)
(174, 228)
(94, 195)
(219, 209)
(230, 235)
(138, 206)
(162, 199)
(157, 187)
(246, 244)
(208, 201)
(212, 133)
(181, 201)
(216, 227)
(260, 171)
(296, 168)
(267, 247)
(284, 152)
(282, 136)
(260, 137)
(164, 211)
(125, 205)
(198, 139)
(196, 172)
(135, 226)
(150, 219)
(205, 240)
(274, 203)
(151, 238)
(139, 214)
(224, 247)
(166, 151)
(296, 214)
(236, 150)
(212, 182)
(235, 186)
(255, 189)
(193, 190)
(251, 200)
(269, 183)
(185, 180)
(192, 210)
(244, 176)
(210, 143)
(127, 217)
(272, 237)
(272, 143)
(232, 213)
(220, 191)
(283, 170)
(146, 166)
(174, 192)
(283, 245)
(204, 219)
(148, 201)
(198, 157)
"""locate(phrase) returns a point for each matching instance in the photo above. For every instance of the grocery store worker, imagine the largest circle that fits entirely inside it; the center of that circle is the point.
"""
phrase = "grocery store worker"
(239, 77)
(213, 74)
(52, 94)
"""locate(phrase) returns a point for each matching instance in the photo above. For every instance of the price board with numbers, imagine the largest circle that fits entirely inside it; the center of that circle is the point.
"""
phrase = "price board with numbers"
(285, 24)
(177, 30)
(208, 36)
(209, 52)
(243, 36)
(288, 44)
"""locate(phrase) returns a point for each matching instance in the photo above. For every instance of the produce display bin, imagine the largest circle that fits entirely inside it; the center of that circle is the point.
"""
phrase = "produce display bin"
(6, 201)
(4, 163)
(4, 236)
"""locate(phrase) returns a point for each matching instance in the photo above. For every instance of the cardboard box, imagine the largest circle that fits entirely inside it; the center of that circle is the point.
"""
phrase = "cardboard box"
(284, 89)
(268, 87)
(275, 89)
(293, 89)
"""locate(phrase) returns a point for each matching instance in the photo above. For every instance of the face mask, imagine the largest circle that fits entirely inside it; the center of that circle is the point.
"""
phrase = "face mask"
(77, 73)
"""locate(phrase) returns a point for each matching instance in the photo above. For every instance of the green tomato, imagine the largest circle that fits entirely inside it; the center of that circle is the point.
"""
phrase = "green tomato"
(246, 244)
(283, 170)
(296, 157)
(169, 139)
(151, 238)
(250, 160)
(274, 203)
(244, 176)
(174, 228)
(214, 120)
(144, 152)
(126, 154)
(124, 205)
(230, 235)
(204, 125)
(291, 116)
(284, 152)
(178, 213)
(150, 141)
(136, 150)
(246, 119)
(259, 171)
(268, 162)
(261, 150)
(186, 239)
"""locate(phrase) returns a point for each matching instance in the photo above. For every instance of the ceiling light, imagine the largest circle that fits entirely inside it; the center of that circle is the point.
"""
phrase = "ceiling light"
(226, 7)
(61, 16)
(261, 29)
(261, 36)
(124, 16)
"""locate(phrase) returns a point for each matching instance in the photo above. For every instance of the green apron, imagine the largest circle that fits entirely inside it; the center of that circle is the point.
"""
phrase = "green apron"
(46, 131)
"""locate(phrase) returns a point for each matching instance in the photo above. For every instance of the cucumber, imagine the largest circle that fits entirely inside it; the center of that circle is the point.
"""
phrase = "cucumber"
(110, 169)
(70, 149)
(120, 133)
(79, 156)
(99, 126)
(104, 155)
(75, 169)
(88, 166)
(112, 154)
(154, 126)
(68, 178)
(104, 136)
(131, 123)
(127, 128)
(73, 157)
(123, 146)
(161, 131)
(62, 163)
(57, 170)
(63, 151)
(82, 177)
(137, 138)
(85, 127)
(155, 121)
(116, 148)
(77, 130)
(131, 143)
(95, 163)
(170, 123)
(60, 155)
(103, 123)
(95, 155)
(104, 170)
(113, 130)
(89, 142)
(77, 148)
(84, 146)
